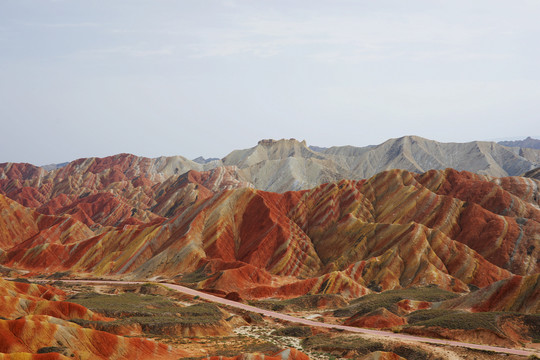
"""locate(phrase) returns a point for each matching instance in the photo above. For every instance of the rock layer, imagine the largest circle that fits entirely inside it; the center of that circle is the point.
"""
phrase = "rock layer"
(396, 229)
(34, 320)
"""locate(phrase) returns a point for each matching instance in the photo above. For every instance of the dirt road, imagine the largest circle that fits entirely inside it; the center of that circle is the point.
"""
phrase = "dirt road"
(293, 319)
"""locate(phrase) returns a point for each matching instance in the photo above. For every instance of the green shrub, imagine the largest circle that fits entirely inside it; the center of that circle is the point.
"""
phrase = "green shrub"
(323, 342)
(345, 344)
(452, 319)
(148, 309)
(387, 299)
(51, 349)
(294, 331)
(304, 302)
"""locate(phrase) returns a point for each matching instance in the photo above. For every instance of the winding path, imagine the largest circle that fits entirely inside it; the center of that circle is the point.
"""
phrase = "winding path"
(285, 317)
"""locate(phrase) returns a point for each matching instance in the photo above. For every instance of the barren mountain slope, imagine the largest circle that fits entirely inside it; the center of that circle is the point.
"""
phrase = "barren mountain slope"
(265, 165)
(417, 154)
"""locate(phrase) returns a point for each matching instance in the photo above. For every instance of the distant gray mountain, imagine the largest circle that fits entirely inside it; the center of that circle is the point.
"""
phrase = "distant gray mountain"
(54, 166)
(317, 148)
(288, 164)
(281, 165)
(526, 143)
(417, 154)
(203, 161)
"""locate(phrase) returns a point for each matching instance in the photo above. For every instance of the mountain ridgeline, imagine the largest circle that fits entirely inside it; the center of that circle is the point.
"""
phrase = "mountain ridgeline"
(284, 165)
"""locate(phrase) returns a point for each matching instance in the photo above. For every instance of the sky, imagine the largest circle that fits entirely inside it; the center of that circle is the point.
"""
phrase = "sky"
(201, 78)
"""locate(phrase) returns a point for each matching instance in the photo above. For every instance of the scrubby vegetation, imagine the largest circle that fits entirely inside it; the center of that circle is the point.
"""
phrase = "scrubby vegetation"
(388, 299)
(454, 319)
(51, 349)
(194, 277)
(354, 346)
(532, 322)
(294, 331)
(326, 343)
(126, 304)
(153, 313)
(305, 302)
(58, 275)
(462, 320)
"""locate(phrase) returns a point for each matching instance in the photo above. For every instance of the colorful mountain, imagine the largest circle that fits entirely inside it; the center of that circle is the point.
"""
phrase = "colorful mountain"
(271, 165)
(212, 229)
(35, 324)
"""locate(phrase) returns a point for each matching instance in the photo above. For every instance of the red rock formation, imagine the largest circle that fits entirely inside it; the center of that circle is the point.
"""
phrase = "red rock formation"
(30, 291)
(115, 190)
(36, 320)
(407, 306)
(21, 299)
(379, 319)
(31, 333)
(396, 229)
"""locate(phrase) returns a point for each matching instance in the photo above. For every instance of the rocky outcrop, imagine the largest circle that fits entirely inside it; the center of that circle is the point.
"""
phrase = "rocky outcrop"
(406, 306)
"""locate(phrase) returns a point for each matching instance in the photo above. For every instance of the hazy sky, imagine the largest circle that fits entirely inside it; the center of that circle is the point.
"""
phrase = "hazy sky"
(190, 77)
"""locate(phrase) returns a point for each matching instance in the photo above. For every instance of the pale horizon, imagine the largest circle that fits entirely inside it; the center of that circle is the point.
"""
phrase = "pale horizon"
(84, 79)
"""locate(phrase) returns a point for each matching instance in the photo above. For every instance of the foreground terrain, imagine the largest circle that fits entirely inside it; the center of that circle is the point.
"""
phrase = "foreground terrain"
(186, 326)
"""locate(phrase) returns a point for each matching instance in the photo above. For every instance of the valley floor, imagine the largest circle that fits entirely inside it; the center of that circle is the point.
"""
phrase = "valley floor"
(257, 330)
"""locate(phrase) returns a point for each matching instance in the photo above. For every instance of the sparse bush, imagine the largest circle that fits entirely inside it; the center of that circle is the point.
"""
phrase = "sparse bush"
(59, 275)
(305, 302)
(387, 299)
(453, 319)
(51, 349)
(294, 331)
(135, 308)
(341, 344)
(21, 280)
(356, 344)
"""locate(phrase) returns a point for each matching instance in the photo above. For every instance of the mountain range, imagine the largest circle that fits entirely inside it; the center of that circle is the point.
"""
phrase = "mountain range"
(136, 218)
(283, 165)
